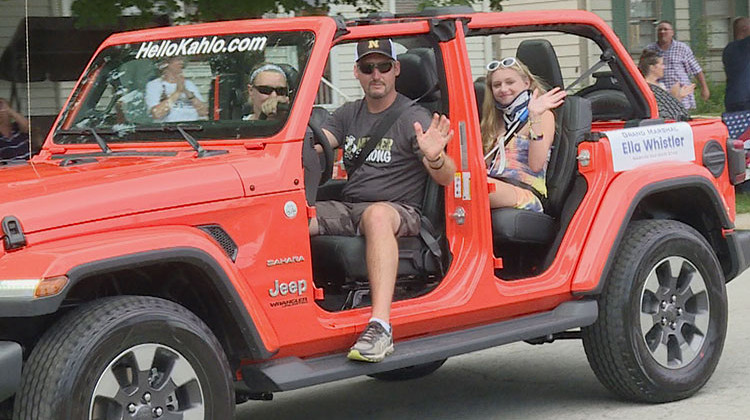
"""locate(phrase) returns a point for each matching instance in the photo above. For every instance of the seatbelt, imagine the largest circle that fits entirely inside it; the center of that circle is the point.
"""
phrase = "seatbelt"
(526, 186)
(378, 131)
(606, 57)
(426, 233)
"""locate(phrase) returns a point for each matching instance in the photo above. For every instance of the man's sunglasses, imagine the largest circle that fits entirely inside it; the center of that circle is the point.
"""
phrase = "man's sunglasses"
(368, 68)
(504, 63)
(266, 90)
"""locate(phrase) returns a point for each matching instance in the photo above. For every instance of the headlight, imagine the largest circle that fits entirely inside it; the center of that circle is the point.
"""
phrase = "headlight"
(18, 288)
(32, 288)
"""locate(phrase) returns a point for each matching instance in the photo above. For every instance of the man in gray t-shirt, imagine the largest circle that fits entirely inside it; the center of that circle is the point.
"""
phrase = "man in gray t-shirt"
(382, 198)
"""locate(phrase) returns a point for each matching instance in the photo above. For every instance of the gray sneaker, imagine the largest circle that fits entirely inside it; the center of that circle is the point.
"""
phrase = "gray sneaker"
(373, 345)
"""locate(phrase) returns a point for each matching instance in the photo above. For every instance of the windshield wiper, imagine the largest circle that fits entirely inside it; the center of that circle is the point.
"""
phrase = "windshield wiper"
(99, 140)
(183, 130)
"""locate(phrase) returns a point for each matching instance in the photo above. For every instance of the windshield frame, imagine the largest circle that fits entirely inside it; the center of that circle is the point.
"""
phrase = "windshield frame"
(321, 29)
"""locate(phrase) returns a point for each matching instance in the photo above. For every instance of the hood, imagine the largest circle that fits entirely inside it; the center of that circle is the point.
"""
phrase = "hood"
(46, 195)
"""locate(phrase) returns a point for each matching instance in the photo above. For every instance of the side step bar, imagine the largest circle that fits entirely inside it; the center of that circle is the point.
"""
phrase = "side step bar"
(293, 373)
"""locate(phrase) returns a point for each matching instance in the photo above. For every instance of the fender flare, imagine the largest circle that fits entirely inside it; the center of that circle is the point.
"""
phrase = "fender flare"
(582, 284)
(220, 280)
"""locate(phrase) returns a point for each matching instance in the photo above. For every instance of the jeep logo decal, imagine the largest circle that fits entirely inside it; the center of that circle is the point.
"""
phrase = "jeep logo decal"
(286, 260)
(282, 289)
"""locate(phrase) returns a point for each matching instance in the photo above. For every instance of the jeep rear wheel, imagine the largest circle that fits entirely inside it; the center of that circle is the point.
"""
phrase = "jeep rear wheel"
(127, 357)
(662, 314)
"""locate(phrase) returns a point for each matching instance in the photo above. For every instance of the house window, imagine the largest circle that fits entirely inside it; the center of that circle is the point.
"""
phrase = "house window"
(643, 15)
(718, 15)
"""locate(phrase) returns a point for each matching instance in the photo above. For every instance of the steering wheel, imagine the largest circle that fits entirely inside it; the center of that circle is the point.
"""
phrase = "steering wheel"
(319, 137)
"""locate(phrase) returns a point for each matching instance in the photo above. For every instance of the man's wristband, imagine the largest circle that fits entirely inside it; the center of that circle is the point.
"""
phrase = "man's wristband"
(435, 168)
(440, 155)
(440, 158)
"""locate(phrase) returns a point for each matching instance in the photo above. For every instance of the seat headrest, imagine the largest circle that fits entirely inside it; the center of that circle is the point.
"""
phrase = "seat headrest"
(539, 56)
(418, 74)
(136, 74)
(292, 75)
(479, 87)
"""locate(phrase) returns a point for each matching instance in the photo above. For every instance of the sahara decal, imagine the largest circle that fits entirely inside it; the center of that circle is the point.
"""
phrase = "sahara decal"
(633, 147)
(287, 260)
(206, 45)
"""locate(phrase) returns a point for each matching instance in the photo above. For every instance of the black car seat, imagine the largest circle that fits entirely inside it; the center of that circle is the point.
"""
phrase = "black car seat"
(540, 57)
(517, 230)
(339, 260)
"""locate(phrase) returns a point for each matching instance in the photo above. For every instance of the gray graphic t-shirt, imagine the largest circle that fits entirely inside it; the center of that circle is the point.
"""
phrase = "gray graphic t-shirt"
(393, 171)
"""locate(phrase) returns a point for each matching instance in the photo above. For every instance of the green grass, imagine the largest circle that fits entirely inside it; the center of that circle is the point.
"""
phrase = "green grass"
(715, 104)
(743, 202)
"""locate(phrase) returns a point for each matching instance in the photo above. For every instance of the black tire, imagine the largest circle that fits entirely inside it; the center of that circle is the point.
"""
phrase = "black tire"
(6, 409)
(88, 363)
(409, 372)
(662, 315)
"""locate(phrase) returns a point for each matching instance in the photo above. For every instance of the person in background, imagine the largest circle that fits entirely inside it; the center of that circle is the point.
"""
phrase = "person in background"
(267, 89)
(520, 112)
(679, 63)
(736, 59)
(14, 133)
(171, 98)
(651, 66)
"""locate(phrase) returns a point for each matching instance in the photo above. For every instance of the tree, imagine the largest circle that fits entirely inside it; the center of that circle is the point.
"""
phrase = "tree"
(106, 12)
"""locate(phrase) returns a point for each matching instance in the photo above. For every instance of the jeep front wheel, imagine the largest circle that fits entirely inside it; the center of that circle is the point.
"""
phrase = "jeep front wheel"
(127, 357)
(662, 314)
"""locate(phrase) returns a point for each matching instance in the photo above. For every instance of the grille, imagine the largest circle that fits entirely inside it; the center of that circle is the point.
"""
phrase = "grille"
(222, 238)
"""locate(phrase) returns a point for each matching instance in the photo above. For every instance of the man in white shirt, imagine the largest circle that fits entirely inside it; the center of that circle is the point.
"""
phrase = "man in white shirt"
(171, 98)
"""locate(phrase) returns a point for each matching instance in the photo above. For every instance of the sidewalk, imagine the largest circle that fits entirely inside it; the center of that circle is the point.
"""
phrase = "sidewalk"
(742, 221)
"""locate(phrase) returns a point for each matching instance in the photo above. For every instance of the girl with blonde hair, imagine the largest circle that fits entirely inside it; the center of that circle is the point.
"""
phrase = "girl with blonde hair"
(518, 127)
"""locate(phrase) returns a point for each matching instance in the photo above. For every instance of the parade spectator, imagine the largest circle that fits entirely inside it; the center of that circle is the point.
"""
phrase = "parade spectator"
(651, 66)
(736, 59)
(171, 98)
(14, 133)
(679, 63)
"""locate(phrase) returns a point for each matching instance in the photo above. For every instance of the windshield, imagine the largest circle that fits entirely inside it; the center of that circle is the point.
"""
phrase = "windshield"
(223, 87)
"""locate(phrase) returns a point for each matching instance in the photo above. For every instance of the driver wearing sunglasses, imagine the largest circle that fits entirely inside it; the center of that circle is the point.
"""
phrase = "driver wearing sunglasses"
(268, 92)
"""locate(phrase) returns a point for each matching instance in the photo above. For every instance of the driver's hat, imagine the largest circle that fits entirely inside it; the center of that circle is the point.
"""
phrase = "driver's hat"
(382, 46)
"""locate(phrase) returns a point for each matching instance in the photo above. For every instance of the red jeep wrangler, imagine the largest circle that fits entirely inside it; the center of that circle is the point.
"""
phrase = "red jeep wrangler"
(158, 268)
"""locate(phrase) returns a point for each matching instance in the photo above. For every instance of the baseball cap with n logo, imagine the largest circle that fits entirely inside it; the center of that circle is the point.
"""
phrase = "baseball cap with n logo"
(375, 46)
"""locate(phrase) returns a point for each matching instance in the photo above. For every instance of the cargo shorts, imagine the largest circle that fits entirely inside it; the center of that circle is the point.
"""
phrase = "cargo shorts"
(342, 218)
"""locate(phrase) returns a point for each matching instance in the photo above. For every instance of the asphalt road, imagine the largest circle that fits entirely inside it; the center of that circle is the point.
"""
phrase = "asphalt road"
(520, 381)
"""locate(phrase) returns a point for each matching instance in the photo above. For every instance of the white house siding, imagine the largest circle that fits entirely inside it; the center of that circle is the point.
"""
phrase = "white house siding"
(603, 8)
(47, 97)
(712, 64)
(682, 21)
(575, 55)
(342, 57)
